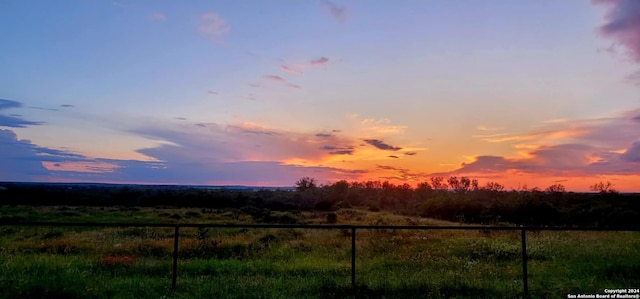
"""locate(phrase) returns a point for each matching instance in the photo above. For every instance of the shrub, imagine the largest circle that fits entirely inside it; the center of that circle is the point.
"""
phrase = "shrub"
(52, 235)
(111, 260)
(332, 218)
(323, 205)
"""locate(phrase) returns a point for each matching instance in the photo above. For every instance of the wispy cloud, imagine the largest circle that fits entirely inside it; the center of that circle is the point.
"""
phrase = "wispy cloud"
(485, 128)
(291, 70)
(157, 16)
(274, 78)
(319, 61)
(249, 128)
(377, 126)
(548, 135)
(278, 79)
(213, 25)
(42, 108)
(339, 13)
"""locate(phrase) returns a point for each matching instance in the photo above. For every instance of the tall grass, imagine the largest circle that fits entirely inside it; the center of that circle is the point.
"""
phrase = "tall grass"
(82, 262)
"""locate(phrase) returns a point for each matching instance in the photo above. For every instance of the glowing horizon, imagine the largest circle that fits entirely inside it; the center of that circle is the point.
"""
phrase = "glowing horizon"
(158, 92)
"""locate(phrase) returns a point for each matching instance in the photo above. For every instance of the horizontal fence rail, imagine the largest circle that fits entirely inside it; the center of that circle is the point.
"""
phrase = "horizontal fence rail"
(352, 228)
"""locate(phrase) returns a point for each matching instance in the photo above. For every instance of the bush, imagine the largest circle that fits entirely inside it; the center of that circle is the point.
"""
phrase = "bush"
(281, 217)
(332, 218)
(323, 205)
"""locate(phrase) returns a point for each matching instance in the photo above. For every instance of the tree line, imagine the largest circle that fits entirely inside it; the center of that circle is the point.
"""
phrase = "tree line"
(459, 199)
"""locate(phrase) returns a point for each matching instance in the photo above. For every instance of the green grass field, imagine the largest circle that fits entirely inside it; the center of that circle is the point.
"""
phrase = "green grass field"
(93, 262)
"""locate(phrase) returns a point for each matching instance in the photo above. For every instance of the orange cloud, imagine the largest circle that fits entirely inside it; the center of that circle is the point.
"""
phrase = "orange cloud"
(287, 69)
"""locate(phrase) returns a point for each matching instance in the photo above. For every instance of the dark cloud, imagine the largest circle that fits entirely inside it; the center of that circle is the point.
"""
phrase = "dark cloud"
(622, 24)
(342, 152)
(67, 106)
(636, 119)
(632, 154)
(324, 135)
(212, 154)
(47, 154)
(41, 108)
(381, 145)
(338, 150)
(319, 61)
(212, 92)
(179, 166)
(181, 118)
(22, 160)
(6, 104)
(565, 159)
(410, 153)
(16, 122)
(330, 147)
(393, 156)
(19, 160)
(256, 130)
(337, 12)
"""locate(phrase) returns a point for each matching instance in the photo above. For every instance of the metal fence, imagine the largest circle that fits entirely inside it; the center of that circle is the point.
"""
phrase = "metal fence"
(353, 228)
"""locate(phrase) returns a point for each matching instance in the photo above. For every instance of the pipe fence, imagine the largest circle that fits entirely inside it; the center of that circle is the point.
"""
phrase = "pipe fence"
(353, 228)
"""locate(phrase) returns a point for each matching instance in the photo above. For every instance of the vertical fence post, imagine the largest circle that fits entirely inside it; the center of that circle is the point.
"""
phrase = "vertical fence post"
(174, 278)
(353, 258)
(525, 278)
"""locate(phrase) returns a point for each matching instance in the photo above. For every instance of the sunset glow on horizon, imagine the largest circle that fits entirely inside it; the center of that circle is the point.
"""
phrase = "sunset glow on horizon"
(524, 93)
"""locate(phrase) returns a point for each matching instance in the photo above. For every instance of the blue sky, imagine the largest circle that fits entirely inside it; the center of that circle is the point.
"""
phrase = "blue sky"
(264, 92)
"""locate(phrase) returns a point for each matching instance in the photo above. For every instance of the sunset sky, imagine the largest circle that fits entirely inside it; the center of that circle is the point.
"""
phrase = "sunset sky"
(525, 93)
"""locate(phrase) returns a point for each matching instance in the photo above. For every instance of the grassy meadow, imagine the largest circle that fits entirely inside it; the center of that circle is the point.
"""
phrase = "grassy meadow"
(131, 262)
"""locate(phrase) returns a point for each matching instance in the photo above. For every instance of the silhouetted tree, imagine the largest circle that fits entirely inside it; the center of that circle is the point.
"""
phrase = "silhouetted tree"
(306, 183)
